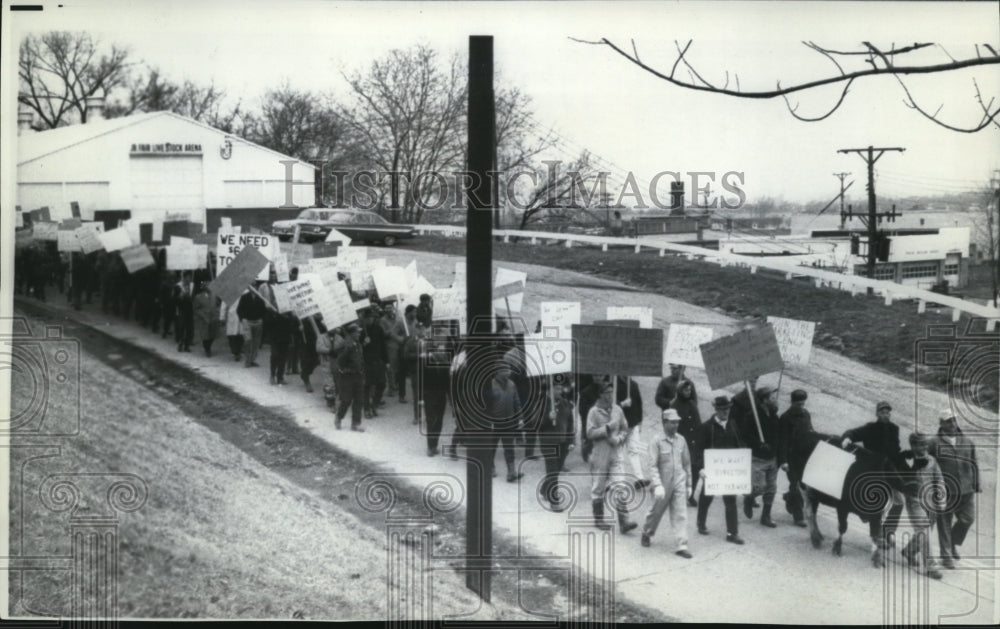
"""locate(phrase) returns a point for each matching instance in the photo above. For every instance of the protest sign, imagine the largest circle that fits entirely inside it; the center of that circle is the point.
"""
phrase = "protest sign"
(794, 338)
(684, 345)
(546, 357)
(230, 244)
(281, 269)
(281, 300)
(641, 314)
(225, 223)
(46, 231)
(88, 235)
(727, 471)
(560, 315)
(157, 231)
(302, 292)
(626, 351)
(741, 356)
(180, 241)
(390, 281)
(175, 228)
(826, 469)
(324, 249)
(136, 257)
(421, 286)
(67, 241)
(296, 253)
(411, 272)
(361, 275)
(502, 297)
(116, 239)
(336, 236)
(186, 257)
(459, 279)
(449, 303)
(42, 214)
(229, 284)
(335, 304)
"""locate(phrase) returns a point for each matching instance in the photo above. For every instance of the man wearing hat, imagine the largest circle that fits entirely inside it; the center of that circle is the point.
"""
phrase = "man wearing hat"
(351, 377)
(671, 482)
(881, 437)
(792, 425)
(921, 476)
(607, 428)
(956, 455)
(719, 432)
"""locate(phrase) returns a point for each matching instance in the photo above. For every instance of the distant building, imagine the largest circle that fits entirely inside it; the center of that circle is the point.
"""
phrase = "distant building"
(150, 165)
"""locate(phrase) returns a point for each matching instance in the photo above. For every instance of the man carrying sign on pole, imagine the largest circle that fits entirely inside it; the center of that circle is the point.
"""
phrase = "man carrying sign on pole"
(717, 433)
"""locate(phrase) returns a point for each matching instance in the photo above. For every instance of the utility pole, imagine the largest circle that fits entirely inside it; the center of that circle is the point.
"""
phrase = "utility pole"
(479, 306)
(870, 158)
(841, 176)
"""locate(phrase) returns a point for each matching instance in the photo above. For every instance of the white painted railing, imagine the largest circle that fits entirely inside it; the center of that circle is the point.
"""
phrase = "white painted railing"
(852, 283)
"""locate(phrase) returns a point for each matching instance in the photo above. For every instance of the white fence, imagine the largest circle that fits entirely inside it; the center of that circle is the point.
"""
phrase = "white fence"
(851, 283)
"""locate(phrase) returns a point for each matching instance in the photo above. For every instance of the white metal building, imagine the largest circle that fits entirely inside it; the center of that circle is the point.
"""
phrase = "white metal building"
(153, 164)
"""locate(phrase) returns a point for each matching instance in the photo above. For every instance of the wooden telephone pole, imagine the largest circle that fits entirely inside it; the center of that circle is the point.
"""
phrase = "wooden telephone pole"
(870, 158)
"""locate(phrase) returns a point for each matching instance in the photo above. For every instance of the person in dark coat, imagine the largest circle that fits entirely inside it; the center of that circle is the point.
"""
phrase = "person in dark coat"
(308, 358)
(281, 337)
(630, 400)
(165, 298)
(206, 318)
(764, 452)
(668, 387)
(351, 377)
(252, 310)
(719, 432)
(435, 381)
(373, 344)
(80, 278)
(685, 402)
(956, 455)
(792, 425)
(882, 437)
(555, 437)
(425, 310)
(184, 302)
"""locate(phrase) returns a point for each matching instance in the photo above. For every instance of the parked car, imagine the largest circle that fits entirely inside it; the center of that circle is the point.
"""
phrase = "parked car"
(315, 224)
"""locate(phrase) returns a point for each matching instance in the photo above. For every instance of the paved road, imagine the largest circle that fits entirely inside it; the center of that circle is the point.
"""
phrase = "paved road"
(776, 577)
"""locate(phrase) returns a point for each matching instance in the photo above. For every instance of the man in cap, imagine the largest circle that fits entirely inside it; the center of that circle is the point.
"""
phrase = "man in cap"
(671, 481)
(792, 425)
(666, 391)
(351, 380)
(764, 452)
(882, 437)
(921, 475)
(717, 433)
(956, 455)
(607, 428)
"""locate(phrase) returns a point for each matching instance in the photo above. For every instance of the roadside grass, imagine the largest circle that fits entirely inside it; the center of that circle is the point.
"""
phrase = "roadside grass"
(861, 327)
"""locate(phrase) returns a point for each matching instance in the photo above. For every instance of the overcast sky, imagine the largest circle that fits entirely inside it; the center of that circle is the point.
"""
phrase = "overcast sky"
(595, 99)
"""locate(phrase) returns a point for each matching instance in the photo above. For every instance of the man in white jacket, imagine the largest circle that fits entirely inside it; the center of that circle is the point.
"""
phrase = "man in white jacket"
(671, 482)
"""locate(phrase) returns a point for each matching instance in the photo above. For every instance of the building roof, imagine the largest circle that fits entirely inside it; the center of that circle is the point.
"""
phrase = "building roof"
(32, 146)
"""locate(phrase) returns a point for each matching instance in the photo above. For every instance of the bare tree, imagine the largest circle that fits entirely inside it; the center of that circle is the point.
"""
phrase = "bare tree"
(852, 65)
(987, 225)
(59, 70)
(151, 91)
(557, 189)
(408, 114)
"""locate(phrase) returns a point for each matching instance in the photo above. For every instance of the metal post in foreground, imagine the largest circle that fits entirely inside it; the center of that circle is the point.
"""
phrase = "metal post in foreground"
(479, 291)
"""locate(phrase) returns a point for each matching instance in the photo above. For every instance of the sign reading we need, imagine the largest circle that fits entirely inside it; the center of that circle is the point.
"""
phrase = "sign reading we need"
(727, 471)
(229, 244)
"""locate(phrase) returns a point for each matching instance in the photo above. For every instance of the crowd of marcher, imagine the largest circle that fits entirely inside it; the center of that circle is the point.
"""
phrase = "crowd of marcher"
(391, 354)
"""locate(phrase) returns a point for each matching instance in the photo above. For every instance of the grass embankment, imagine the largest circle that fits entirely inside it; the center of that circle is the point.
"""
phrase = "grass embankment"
(862, 328)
